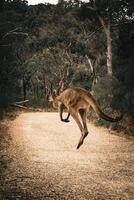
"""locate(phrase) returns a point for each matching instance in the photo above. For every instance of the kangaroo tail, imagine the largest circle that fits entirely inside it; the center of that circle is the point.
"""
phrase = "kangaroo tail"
(102, 115)
(107, 118)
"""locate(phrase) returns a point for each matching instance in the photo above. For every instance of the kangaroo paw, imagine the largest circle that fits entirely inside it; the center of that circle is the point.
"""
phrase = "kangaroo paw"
(65, 120)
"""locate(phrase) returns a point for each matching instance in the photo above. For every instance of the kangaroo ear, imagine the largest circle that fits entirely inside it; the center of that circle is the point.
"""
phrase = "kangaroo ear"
(50, 98)
(54, 93)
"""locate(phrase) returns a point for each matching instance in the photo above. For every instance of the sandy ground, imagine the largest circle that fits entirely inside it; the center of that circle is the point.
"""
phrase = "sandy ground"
(42, 163)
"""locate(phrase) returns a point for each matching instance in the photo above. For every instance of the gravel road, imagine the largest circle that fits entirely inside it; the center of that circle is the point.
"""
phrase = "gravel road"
(43, 163)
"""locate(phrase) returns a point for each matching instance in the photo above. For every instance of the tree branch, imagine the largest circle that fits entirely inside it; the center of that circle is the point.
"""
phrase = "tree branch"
(14, 32)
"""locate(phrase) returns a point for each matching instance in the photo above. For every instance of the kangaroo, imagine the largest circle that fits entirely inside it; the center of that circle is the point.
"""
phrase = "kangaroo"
(77, 101)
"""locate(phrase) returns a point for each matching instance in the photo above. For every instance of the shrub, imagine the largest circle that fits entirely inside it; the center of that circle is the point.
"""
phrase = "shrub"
(109, 95)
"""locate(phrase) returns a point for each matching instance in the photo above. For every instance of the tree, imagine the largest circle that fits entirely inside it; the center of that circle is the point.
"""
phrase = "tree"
(108, 13)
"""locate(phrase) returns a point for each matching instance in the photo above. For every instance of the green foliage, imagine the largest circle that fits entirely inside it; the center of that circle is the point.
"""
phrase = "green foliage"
(108, 93)
(82, 79)
(125, 73)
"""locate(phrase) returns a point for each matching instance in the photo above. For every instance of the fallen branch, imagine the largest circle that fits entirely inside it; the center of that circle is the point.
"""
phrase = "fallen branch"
(19, 106)
(21, 102)
(25, 108)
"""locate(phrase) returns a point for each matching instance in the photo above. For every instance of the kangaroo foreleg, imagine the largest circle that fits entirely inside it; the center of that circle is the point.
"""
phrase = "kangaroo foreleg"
(66, 120)
(61, 108)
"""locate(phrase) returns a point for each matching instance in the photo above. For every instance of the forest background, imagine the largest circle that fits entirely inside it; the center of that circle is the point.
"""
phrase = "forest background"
(87, 44)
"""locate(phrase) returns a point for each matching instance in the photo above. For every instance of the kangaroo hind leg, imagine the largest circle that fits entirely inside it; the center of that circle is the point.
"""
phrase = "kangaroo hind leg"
(75, 116)
(82, 113)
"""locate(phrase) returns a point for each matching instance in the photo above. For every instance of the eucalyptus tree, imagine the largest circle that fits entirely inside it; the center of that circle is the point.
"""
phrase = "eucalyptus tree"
(108, 13)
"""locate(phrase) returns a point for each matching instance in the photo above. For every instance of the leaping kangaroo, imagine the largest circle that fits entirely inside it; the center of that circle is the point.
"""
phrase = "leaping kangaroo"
(77, 101)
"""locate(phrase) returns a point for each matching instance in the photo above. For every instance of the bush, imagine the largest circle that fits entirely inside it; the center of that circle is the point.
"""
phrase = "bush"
(114, 98)
(109, 93)
(82, 79)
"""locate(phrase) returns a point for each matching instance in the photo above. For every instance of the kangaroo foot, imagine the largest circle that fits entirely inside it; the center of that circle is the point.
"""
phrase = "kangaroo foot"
(82, 140)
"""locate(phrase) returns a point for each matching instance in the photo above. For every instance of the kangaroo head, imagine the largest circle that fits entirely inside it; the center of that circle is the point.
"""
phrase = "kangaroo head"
(52, 96)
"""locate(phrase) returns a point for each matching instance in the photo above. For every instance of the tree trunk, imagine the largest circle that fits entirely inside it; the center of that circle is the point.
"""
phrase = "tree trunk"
(93, 72)
(109, 51)
(24, 90)
(107, 29)
(60, 1)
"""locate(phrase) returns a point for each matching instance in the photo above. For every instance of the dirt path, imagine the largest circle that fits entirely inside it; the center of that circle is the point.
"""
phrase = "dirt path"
(43, 162)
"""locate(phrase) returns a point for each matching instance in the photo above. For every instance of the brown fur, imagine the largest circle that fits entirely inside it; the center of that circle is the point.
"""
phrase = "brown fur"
(77, 101)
